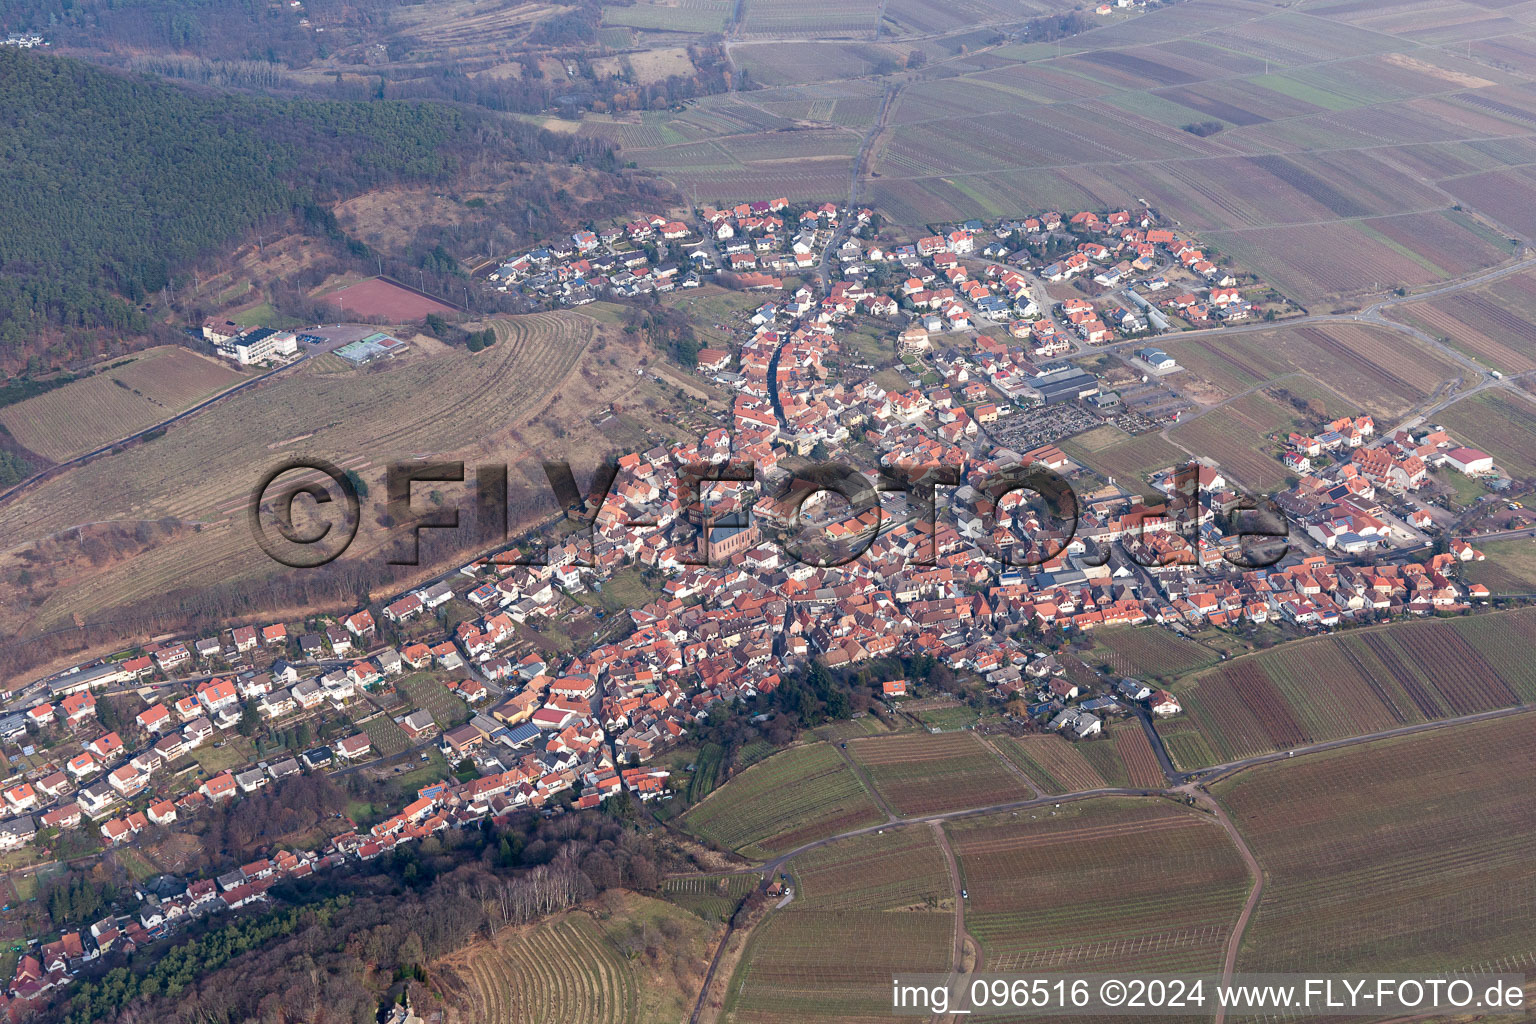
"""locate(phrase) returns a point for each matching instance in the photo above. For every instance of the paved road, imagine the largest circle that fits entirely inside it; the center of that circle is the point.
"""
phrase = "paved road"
(855, 178)
(962, 937)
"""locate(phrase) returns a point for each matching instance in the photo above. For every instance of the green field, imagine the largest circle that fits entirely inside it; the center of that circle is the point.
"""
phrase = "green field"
(1509, 568)
(792, 798)
(388, 738)
(448, 708)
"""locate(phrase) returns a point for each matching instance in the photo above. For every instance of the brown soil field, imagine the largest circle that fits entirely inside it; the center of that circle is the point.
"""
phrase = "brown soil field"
(385, 301)
(549, 372)
(124, 397)
(1167, 887)
(1381, 371)
(1393, 856)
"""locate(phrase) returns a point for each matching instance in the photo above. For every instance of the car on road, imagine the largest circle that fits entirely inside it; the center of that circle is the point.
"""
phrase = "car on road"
(964, 894)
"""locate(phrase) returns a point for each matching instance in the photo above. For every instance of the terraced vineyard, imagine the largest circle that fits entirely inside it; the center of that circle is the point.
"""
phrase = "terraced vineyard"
(923, 773)
(1364, 681)
(712, 897)
(563, 970)
(202, 470)
(1108, 884)
(573, 967)
(792, 798)
(1424, 861)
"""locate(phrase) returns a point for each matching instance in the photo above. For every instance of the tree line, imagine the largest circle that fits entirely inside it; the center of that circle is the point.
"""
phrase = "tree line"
(115, 183)
(338, 945)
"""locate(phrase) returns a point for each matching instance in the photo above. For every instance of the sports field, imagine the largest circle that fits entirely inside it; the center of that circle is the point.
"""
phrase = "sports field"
(385, 302)
(122, 398)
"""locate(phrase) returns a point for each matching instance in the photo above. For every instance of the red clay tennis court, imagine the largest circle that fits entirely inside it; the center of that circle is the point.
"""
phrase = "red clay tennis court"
(378, 299)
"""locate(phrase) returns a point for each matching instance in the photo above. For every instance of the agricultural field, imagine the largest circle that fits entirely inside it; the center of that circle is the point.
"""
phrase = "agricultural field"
(647, 66)
(1492, 324)
(1106, 884)
(464, 27)
(122, 398)
(1134, 749)
(1420, 861)
(1503, 425)
(1128, 462)
(900, 870)
(1363, 681)
(815, 964)
(1053, 763)
(792, 798)
(692, 16)
(578, 966)
(712, 897)
(1145, 653)
(795, 63)
(201, 473)
(1509, 568)
(924, 773)
(1244, 452)
(1388, 163)
(1380, 372)
(809, 19)
(949, 719)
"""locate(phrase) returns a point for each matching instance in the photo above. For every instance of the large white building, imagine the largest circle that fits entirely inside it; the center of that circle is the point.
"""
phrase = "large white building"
(250, 345)
(1469, 461)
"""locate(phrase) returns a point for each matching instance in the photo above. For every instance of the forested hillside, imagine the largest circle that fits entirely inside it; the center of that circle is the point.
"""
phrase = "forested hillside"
(110, 184)
(252, 29)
